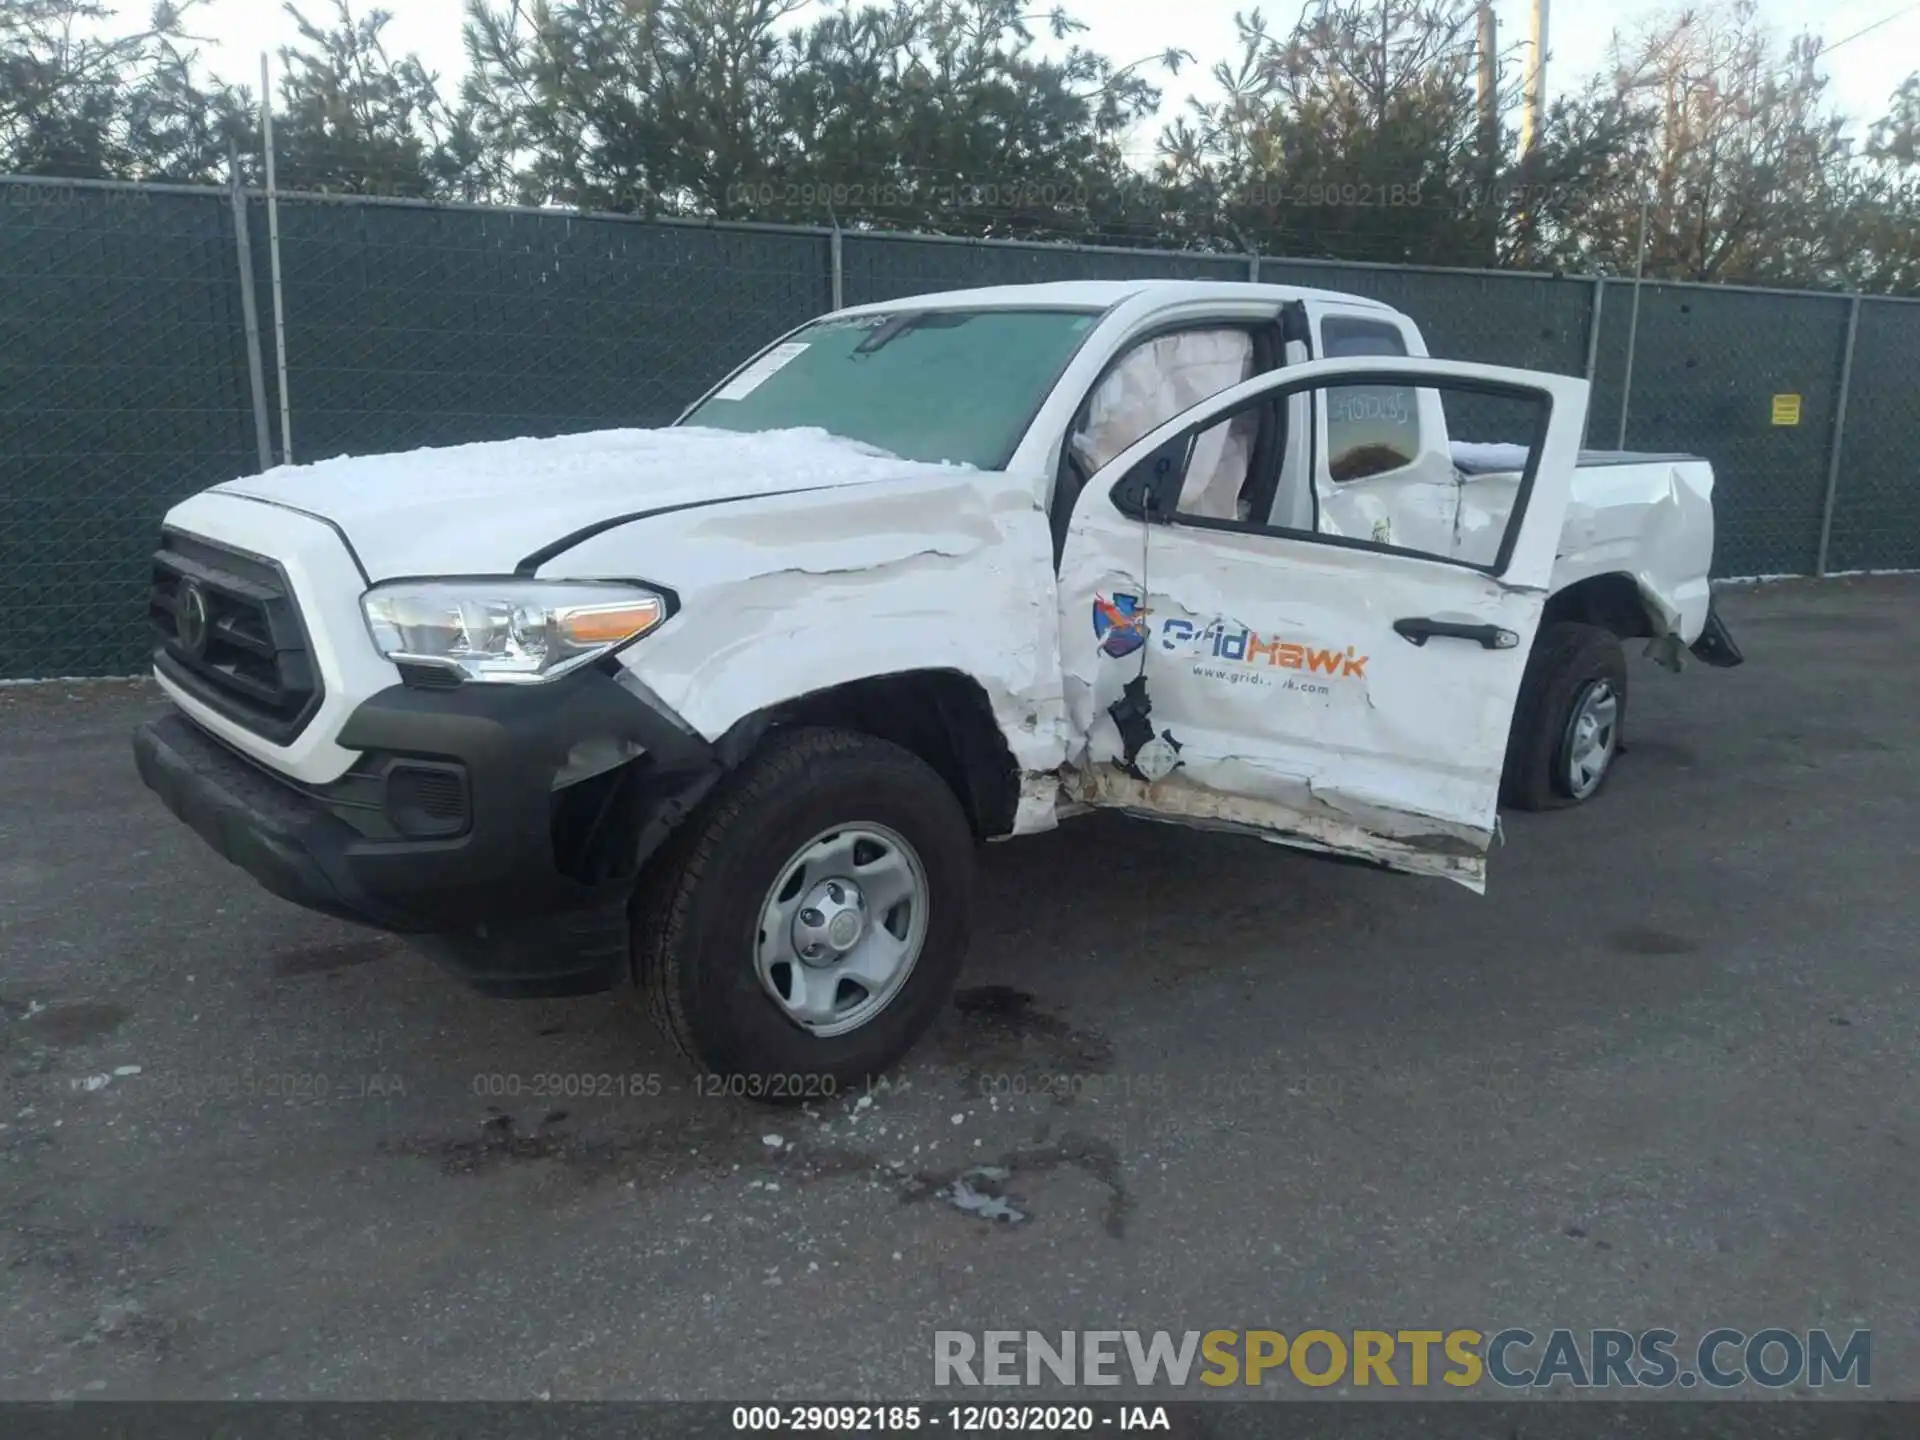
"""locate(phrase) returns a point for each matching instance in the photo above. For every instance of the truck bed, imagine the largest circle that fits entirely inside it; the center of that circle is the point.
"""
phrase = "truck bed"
(1473, 459)
(1593, 459)
(1644, 515)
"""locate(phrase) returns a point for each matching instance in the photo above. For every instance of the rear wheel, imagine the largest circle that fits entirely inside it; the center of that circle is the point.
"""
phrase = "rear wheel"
(1569, 720)
(806, 926)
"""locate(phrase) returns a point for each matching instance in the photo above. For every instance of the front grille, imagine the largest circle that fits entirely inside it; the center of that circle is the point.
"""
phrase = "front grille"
(231, 636)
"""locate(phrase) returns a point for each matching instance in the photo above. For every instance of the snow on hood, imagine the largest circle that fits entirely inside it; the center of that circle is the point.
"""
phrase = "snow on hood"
(471, 509)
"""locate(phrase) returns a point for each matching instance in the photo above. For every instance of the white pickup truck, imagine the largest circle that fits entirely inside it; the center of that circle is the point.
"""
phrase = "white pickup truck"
(727, 705)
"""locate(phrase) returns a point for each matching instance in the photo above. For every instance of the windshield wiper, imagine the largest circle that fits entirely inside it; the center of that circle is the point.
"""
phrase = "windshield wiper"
(893, 329)
(898, 325)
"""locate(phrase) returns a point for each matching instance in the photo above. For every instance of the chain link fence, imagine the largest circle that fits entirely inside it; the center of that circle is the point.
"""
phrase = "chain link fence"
(1706, 365)
(125, 383)
(409, 326)
(1876, 510)
(123, 388)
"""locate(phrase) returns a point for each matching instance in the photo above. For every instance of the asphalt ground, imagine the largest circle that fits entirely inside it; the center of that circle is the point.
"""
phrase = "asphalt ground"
(1662, 1074)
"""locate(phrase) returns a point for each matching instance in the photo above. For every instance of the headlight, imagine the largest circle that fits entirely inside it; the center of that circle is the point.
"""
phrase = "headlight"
(510, 631)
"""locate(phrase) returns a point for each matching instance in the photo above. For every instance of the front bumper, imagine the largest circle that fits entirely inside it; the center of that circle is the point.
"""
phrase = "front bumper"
(520, 887)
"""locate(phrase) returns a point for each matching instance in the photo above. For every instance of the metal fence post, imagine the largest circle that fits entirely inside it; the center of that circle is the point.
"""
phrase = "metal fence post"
(1839, 433)
(1253, 268)
(250, 314)
(273, 252)
(1593, 327)
(1633, 329)
(837, 282)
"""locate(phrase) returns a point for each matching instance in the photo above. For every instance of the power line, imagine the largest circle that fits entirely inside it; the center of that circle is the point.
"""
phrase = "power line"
(1869, 29)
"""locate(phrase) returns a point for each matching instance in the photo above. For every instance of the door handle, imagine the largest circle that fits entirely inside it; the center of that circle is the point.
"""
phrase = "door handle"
(1420, 629)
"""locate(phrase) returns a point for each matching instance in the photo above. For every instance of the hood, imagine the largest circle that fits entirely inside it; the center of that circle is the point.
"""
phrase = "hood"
(481, 509)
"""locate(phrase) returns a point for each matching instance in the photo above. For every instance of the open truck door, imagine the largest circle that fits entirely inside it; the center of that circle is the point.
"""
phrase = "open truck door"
(1228, 665)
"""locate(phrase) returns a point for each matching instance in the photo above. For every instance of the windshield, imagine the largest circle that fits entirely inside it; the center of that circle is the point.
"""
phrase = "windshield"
(959, 386)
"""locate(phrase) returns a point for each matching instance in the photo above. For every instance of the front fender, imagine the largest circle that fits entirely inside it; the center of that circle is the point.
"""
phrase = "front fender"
(796, 594)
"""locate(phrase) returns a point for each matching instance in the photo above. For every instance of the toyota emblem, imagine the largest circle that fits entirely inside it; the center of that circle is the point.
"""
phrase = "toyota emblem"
(190, 619)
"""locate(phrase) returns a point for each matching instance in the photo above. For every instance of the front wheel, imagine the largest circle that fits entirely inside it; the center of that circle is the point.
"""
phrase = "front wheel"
(1569, 720)
(805, 927)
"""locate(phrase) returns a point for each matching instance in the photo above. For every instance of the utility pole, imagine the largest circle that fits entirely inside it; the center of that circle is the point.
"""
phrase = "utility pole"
(1534, 113)
(1487, 92)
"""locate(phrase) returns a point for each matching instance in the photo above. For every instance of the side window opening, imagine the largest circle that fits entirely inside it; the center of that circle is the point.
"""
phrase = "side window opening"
(1225, 470)
(1222, 473)
(1155, 381)
(1371, 429)
(1221, 469)
(1148, 385)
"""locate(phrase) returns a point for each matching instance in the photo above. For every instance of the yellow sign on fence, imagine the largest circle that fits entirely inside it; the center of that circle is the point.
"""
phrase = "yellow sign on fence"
(1786, 409)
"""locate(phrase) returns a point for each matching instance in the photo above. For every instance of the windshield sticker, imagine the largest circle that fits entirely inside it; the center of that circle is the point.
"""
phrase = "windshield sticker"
(761, 371)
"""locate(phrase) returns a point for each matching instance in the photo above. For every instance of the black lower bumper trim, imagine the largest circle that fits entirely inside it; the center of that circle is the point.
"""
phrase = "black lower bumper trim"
(492, 903)
(1715, 646)
(254, 822)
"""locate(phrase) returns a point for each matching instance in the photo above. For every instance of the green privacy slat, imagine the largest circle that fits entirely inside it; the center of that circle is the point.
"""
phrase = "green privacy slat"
(123, 366)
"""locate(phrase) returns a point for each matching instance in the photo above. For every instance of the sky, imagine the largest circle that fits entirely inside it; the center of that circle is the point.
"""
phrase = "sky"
(1863, 71)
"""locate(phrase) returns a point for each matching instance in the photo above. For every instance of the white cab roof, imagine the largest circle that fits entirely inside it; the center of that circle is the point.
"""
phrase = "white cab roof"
(1105, 294)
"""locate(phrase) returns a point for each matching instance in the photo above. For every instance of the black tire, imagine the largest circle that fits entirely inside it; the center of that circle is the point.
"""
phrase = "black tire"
(1567, 658)
(697, 911)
